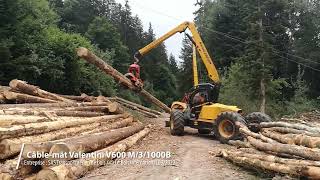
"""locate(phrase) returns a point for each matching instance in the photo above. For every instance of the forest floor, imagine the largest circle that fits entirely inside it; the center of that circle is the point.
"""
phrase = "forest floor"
(189, 154)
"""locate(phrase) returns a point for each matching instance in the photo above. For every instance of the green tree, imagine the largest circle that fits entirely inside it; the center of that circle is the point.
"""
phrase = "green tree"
(106, 37)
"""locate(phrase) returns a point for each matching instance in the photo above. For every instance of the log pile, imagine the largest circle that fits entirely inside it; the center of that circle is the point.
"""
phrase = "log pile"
(280, 147)
(137, 107)
(33, 120)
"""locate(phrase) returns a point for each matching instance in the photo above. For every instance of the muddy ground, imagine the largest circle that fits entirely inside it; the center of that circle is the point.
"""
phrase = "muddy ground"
(190, 158)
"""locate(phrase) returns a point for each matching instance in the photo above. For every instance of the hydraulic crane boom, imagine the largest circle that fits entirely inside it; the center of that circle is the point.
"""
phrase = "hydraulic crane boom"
(196, 40)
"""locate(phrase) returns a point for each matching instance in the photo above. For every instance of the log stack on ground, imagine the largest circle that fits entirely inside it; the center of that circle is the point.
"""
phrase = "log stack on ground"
(44, 122)
(280, 147)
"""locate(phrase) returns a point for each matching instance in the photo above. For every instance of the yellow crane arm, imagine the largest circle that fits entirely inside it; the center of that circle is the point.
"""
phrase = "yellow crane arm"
(196, 40)
(194, 66)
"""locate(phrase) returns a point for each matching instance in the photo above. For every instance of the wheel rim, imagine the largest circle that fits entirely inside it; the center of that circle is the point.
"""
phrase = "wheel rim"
(226, 128)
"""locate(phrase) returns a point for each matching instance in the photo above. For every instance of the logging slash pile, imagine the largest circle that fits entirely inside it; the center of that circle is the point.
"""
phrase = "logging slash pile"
(39, 121)
(290, 146)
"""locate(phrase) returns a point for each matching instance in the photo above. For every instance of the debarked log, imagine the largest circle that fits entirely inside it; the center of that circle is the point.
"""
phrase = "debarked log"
(11, 147)
(305, 152)
(22, 86)
(92, 142)
(296, 170)
(46, 145)
(297, 139)
(81, 166)
(25, 98)
(289, 125)
(43, 127)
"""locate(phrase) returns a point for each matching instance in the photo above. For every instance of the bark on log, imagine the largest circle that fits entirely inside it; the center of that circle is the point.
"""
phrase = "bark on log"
(23, 170)
(24, 98)
(11, 147)
(22, 86)
(101, 99)
(114, 125)
(111, 107)
(102, 65)
(245, 131)
(83, 97)
(240, 144)
(4, 88)
(285, 130)
(64, 172)
(93, 142)
(297, 139)
(2, 98)
(308, 171)
(54, 112)
(9, 120)
(52, 105)
(275, 159)
(289, 125)
(43, 127)
(121, 100)
(141, 111)
(308, 153)
(48, 143)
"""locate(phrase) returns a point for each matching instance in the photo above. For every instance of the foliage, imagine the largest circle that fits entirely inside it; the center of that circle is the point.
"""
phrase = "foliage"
(259, 41)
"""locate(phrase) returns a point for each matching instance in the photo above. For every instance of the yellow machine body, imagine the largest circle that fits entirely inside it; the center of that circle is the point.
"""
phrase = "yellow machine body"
(209, 112)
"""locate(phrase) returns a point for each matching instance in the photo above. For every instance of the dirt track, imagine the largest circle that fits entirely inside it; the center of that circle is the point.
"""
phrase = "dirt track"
(190, 154)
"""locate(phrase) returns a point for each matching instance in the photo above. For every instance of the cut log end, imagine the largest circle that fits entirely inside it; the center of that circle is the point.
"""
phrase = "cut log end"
(82, 52)
(47, 174)
(60, 148)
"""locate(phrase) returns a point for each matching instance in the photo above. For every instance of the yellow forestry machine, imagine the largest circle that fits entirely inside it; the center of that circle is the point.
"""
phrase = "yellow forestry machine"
(200, 108)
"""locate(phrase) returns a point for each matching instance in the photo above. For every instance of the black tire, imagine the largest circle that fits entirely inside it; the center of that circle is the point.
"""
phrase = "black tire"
(225, 128)
(255, 118)
(204, 131)
(176, 123)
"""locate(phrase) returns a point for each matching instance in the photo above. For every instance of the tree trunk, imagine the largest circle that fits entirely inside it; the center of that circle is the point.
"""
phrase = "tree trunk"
(24, 98)
(240, 144)
(296, 170)
(141, 111)
(49, 139)
(9, 120)
(289, 125)
(111, 107)
(43, 127)
(263, 96)
(2, 98)
(83, 98)
(102, 65)
(11, 147)
(52, 105)
(82, 166)
(114, 125)
(308, 153)
(93, 142)
(297, 139)
(10, 168)
(245, 131)
(262, 50)
(56, 112)
(286, 130)
(35, 91)
(120, 100)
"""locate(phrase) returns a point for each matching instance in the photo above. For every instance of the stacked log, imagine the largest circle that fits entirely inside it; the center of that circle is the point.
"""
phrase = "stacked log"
(137, 107)
(44, 122)
(280, 147)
